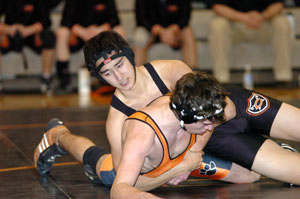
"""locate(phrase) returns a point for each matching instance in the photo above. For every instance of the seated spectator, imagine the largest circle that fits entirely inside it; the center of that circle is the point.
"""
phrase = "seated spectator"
(27, 23)
(165, 22)
(53, 3)
(251, 21)
(82, 20)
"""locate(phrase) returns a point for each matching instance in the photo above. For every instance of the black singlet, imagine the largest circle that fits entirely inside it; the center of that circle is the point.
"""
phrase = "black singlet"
(119, 105)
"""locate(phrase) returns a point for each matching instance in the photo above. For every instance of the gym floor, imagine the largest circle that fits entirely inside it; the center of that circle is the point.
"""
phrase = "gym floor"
(24, 117)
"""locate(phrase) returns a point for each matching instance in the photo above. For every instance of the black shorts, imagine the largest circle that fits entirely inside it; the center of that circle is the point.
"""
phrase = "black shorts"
(45, 40)
(239, 139)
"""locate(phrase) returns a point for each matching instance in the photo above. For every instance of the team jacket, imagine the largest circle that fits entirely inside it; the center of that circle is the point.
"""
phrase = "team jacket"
(89, 12)
(26, 12)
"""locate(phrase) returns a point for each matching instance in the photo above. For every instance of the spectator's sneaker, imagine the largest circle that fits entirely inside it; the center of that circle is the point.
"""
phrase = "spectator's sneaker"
(1, 85)
(47, 150)
(46, 84)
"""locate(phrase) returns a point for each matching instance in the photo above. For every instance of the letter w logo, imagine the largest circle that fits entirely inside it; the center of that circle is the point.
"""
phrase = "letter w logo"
(257, 104)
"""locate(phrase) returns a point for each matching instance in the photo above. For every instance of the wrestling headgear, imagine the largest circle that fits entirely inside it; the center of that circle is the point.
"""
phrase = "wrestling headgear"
(127, 52)
(103, 45)
(192, 115)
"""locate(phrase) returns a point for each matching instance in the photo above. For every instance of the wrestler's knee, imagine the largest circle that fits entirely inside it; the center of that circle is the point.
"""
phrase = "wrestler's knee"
(105, 174)
(239, 174)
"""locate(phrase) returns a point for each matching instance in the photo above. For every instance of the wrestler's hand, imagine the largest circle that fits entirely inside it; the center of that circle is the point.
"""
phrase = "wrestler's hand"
(193, 160)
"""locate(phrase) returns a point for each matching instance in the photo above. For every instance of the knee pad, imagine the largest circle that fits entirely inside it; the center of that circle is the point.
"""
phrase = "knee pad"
(90, 159)
(213, 167)
(107, 172)
(48, 38)
(141, 37)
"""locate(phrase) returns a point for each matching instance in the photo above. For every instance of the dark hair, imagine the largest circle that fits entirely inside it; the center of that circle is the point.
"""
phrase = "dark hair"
(103, 44)
(198, 95)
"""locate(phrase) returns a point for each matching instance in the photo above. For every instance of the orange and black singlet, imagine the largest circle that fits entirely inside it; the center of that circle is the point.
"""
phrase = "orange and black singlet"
(167, 162)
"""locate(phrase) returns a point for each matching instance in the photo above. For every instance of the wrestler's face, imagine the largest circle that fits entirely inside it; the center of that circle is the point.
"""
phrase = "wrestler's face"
(200, 127)
(118, 73)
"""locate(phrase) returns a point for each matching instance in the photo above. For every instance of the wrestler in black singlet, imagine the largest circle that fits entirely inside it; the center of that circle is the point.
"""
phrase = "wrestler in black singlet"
(239, 139)
(119, 105)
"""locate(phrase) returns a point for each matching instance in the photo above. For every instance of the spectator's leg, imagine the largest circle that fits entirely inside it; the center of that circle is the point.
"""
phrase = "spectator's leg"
(47, 56)
(189, 47)
(141, 39)
(220, 43)
(1, 75)
(47, 61)
(63, 55)
(281, 42)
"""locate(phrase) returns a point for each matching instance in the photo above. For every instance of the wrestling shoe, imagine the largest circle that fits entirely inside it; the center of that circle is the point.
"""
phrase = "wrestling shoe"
(45, 84)
(289, 148)
(47, 150)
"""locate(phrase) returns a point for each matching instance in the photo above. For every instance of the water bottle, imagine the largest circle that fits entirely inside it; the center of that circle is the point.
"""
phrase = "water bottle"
(84, 87)
(290, 17)
(248, 77)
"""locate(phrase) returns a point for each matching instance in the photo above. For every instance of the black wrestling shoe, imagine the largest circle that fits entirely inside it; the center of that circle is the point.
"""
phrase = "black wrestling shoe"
(47, 150)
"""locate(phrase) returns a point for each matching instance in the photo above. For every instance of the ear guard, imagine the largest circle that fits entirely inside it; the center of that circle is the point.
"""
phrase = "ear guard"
(189, 116)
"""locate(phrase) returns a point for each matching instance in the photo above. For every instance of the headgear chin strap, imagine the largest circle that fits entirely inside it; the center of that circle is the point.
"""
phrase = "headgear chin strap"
(189, 116)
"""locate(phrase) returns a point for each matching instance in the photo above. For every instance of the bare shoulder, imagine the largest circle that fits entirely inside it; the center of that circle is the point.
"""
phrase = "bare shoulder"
(137, 129)
(170, 71)
(166, 65)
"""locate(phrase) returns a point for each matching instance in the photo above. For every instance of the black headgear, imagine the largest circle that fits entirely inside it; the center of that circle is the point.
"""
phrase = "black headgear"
(192, 115)
(124, 52)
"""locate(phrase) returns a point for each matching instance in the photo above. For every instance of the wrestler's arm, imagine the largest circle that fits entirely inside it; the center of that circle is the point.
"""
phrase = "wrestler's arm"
(114, 125)
(138, 141)
(196, 148)
(191, 162)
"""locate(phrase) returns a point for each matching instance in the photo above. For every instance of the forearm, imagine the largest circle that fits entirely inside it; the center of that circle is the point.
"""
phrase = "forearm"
(201, 141)
(146, 183)
(123, 190)
(35, 28)
(1, 28)
(273, 10)
(228, 12)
